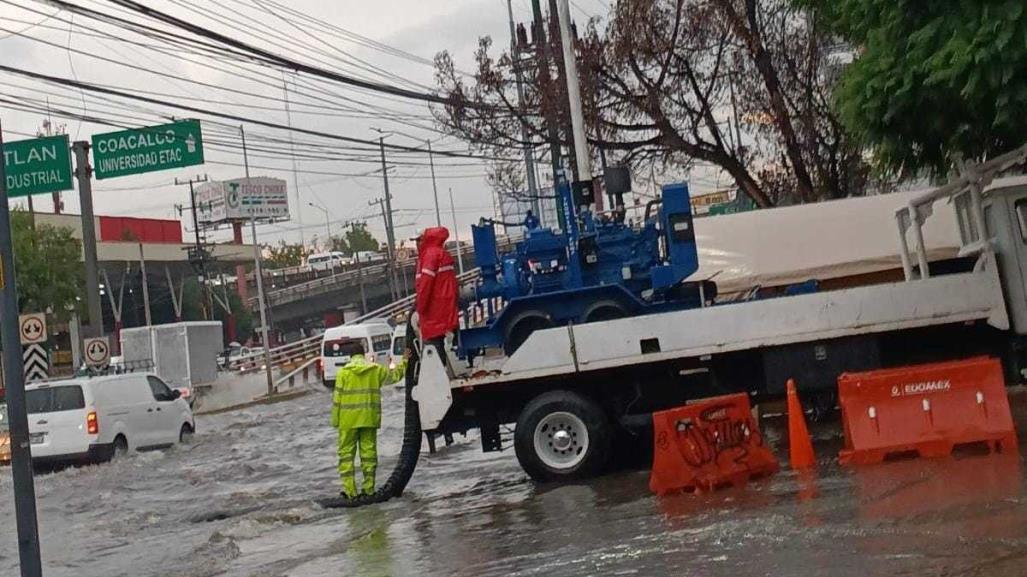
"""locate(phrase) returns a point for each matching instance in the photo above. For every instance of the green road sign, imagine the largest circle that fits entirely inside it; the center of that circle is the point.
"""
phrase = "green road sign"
(147, 149)
(38, 165)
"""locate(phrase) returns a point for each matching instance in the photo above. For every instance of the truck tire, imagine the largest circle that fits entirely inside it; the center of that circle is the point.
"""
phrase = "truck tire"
(521, 327)
(605, 310)
(562, 435)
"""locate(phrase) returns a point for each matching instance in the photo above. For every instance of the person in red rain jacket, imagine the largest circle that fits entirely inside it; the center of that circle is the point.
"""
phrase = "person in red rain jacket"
(436, 288)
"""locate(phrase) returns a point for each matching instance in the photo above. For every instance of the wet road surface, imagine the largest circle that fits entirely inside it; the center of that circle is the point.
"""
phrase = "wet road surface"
(239, 501)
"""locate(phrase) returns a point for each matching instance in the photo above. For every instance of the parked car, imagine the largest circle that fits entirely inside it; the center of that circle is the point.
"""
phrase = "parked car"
(96, 419)
(337, 346)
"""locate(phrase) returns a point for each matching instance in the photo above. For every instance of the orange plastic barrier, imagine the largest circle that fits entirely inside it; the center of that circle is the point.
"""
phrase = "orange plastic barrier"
(710, 444)
(924, 409)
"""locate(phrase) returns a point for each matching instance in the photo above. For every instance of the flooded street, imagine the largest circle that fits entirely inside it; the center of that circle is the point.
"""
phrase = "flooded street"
(239, 501)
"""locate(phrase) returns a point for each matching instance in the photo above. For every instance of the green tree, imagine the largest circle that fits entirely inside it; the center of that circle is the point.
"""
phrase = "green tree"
(339, 244)
(48, 262)
(932, 81)
(359, 239)
(283, 255)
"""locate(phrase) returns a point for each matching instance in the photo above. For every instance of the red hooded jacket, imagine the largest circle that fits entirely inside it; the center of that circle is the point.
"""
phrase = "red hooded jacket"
(437, 290)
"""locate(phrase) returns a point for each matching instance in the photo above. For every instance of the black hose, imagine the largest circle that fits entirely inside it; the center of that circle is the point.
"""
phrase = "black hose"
(409, 452)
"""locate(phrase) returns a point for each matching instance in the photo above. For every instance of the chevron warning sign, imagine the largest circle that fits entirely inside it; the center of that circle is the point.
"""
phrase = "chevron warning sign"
(37, 363)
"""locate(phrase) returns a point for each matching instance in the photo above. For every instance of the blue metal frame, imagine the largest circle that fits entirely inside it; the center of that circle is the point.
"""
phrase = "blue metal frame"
(562, 274)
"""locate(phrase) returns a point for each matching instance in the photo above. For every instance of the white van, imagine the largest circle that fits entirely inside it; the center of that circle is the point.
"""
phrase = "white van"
(337, 347)
(399, 343)
(94, 419)
(325, 261)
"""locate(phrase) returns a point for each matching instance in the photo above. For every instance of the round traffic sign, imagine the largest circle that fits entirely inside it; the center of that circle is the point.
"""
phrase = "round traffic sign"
(32, 330)
(97, 351)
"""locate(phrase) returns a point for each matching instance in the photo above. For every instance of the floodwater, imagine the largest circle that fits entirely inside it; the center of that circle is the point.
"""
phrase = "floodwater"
(239, 501)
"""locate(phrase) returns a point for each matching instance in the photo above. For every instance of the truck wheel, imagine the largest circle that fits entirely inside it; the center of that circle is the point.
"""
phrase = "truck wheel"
(604, 311)
(521, 328)
(562, 435)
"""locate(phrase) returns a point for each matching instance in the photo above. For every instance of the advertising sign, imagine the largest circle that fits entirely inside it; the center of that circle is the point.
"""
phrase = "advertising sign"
(242, 199)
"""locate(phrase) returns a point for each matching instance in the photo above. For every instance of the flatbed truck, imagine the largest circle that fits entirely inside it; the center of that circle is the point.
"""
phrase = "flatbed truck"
(574, 391)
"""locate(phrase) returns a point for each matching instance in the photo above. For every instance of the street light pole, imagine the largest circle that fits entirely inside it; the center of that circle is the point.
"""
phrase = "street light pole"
(259, 273)
(456, 233)
(360, 271)
(328, 222)
(574, 95)
(434, 186)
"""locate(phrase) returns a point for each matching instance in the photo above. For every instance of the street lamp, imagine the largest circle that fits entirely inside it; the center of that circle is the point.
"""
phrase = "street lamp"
(328, 221)
(328, 226)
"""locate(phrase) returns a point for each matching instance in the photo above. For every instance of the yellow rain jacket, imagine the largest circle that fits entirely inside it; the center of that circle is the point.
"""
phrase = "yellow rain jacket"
(357, 400)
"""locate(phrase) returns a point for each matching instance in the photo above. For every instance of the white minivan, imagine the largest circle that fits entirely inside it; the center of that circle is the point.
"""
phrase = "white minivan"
(337, 346)
(94, 419)
(325, 261)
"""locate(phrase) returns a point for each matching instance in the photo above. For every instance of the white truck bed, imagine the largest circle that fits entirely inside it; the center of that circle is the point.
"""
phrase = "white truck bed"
(743, 326)
(695, 333)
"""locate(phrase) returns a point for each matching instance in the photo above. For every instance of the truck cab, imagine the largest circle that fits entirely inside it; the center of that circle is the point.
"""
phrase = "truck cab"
(1004, 208)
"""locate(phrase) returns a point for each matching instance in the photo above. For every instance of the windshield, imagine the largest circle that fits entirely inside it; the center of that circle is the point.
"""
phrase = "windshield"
(54, 399)
(398, 346)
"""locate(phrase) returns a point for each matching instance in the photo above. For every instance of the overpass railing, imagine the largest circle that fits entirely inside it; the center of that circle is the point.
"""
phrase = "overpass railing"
(299, 352)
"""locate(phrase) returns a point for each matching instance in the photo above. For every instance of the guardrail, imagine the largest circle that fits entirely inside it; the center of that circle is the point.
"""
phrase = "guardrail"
(352, 276)
(298, 352)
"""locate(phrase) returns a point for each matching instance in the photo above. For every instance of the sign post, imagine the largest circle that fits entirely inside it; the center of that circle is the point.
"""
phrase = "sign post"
(21, 455)
(84, 174)
(37, 166)
(148, 149)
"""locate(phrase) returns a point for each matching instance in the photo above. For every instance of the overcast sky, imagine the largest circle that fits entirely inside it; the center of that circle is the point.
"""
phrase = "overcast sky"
(421, 28)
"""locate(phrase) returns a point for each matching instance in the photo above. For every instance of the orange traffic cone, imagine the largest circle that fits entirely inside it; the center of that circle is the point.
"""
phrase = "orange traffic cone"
(800, 446)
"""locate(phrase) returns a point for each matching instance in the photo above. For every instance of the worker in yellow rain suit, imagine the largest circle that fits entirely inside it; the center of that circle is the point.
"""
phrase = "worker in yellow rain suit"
(357, 414)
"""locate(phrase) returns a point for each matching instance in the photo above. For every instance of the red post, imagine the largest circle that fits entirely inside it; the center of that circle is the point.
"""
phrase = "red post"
(240, 270)
(117, 336)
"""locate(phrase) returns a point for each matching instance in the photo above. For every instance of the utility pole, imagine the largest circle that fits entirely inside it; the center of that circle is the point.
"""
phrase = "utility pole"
(434, 186)
(389, 230)
(456, 233)
(388, 224)
(84, 174)
(574, 93)
(259, 273)
(360, 271)
(14, 379)
(529, 160)
(292, 153)
(543, 55)
(199, 252)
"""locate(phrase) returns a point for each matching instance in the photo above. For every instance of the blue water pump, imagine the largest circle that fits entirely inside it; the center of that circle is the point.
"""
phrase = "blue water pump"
(598, 269)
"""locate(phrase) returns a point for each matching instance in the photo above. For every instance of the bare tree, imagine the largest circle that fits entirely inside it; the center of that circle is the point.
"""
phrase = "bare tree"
(744, 85)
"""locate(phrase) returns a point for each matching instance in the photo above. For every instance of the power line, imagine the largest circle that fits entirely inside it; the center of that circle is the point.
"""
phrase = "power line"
(254, 53)
(234, 117)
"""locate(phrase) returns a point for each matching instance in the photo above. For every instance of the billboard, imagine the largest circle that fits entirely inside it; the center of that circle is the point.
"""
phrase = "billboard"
(239, 199)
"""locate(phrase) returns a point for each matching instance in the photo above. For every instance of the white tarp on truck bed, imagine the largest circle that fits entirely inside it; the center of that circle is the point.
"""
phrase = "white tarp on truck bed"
(832, 239)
